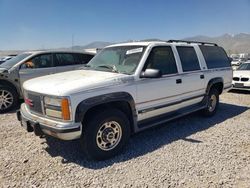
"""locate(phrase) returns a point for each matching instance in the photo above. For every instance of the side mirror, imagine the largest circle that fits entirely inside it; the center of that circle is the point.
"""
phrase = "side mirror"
(151, 73)
(230, 59)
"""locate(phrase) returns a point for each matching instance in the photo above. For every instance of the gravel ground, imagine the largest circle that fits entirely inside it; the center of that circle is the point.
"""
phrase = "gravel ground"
(190, 152)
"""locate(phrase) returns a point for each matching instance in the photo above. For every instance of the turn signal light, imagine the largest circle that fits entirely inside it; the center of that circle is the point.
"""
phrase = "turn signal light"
(65, 109)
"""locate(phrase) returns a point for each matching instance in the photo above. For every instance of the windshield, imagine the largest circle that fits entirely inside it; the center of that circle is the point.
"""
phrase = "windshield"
(244, 66)
(10, 63)
(120, 59)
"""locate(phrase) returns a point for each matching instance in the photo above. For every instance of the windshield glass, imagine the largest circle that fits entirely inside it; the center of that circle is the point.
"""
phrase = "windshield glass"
(10, 63)
(120, 59)
(244, 66)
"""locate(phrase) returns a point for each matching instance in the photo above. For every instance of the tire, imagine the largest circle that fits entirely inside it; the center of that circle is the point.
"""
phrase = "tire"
(8, 99)
(105, 134)
(212, 103)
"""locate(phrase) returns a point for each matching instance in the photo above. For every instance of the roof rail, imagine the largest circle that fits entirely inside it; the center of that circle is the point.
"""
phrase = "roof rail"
(189, 42)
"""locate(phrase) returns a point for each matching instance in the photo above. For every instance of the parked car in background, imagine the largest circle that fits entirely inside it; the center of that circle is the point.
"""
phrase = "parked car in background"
(124, 89)
(34, 64)
(236, 62)
(3, 59)
(241, 77)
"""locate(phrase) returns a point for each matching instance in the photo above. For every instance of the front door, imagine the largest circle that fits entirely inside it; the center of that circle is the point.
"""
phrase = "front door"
(37, 66)
(156, 96)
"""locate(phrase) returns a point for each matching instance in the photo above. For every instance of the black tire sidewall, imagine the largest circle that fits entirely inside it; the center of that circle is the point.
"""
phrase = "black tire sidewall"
(91, 128)
(15, 98)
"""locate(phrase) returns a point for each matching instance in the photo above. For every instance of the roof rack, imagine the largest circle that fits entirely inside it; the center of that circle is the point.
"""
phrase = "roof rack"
(189, 42)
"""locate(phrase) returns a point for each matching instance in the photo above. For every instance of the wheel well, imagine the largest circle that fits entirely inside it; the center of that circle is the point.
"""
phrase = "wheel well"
(120, 105)
(8, 84)
(218, 86)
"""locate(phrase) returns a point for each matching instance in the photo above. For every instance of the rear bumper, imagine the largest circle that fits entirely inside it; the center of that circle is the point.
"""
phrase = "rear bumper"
(41, 126)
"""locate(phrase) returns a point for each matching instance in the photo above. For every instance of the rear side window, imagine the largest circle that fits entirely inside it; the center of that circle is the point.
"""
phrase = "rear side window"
(162, 58)
(189, 60)
(84, 58)
(64, 59)
(215, 56)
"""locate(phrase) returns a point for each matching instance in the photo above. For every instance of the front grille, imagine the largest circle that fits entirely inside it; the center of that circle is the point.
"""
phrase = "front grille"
(236, 78)
(36, 103)
(244, 79)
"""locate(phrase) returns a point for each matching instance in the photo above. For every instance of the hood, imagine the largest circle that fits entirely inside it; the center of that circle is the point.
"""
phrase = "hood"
(241, 73)
(64, 84)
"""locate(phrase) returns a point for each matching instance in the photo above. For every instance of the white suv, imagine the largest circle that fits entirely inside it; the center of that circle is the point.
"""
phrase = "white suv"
(125, 89)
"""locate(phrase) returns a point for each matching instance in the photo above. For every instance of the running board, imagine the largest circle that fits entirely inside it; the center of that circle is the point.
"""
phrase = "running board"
(151, 122)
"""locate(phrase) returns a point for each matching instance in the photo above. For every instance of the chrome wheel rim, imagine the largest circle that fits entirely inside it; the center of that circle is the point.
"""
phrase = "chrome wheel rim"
(6, 99)
(212, 103)
(109, 135)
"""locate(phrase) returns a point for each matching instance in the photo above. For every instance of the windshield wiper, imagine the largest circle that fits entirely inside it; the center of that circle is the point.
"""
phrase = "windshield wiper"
(111, 67)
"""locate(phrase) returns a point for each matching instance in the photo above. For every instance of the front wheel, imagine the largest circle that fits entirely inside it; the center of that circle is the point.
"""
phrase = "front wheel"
(8, 99)
(212, 103)
(105, 134)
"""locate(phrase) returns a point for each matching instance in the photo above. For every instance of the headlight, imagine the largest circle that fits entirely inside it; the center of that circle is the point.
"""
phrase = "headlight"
(52, 101)
(57, 107)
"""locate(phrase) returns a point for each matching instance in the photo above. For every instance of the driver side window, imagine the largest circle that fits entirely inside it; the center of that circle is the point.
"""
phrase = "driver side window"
(162, 58)
(39, 61)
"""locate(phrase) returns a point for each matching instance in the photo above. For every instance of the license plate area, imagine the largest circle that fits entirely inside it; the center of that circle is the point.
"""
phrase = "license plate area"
(239, 85)
(24, 124)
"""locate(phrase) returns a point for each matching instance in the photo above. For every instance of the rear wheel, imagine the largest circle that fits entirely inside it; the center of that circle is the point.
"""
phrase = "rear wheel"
(105, 134)
(8, 99)
(212, 102)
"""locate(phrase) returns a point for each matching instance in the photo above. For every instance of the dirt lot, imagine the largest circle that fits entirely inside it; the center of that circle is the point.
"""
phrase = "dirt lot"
(190, 152)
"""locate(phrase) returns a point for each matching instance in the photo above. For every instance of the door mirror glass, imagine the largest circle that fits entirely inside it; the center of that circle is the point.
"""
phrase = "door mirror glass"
(151, 73)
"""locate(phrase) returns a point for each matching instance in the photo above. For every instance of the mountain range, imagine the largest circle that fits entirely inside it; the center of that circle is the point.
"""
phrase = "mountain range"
(239, 43)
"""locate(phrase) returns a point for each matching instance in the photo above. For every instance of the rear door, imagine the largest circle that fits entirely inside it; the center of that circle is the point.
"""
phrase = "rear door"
(39, 65)
(70, 61)
(192, 77)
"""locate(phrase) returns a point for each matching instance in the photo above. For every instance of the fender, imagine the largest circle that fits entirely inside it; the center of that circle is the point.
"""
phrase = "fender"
(85, 105)
(212, 82)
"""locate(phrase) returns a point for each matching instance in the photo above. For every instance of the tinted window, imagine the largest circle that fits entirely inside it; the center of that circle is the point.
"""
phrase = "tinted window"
(244, 66)
(215, 56)
(189, 60)
(63, 59)
(39, 61)
(162, 58)
(84, 58)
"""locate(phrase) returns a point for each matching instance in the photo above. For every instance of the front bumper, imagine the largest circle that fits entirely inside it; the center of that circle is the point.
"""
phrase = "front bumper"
(241, 85)
(40, 125)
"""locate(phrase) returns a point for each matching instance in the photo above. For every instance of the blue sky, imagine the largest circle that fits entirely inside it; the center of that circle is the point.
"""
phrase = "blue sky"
(31, 24)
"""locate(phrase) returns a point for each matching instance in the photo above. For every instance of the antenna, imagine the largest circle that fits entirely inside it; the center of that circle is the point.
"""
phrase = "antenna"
(72, 42)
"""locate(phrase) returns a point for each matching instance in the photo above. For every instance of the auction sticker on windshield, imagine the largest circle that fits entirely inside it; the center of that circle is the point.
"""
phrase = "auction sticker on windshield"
(132, 51)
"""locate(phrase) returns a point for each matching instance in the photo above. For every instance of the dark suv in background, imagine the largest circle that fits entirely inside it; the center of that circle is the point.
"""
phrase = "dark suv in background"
(33, 64)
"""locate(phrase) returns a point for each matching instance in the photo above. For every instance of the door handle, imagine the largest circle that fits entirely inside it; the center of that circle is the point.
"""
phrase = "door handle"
(178, 81)
(202, 76)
